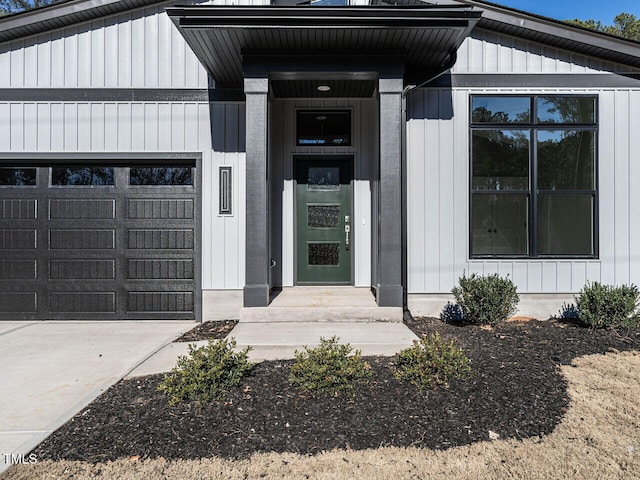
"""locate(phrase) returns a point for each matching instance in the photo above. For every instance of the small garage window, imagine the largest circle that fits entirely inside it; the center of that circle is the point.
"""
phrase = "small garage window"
(82, 176)
(17, 177)
(160, 176)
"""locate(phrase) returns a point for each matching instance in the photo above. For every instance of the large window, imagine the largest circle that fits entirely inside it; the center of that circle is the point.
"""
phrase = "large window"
(533, 176)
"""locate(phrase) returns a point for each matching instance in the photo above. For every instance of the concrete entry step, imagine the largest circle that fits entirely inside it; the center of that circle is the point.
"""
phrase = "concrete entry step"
(322, 304)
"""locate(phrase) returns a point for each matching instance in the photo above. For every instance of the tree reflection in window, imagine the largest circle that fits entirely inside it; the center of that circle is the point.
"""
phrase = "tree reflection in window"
(179, 176)
(82, 176)
(18, 177)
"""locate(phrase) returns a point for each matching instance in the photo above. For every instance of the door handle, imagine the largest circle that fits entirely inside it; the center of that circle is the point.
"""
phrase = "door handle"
(347, 229)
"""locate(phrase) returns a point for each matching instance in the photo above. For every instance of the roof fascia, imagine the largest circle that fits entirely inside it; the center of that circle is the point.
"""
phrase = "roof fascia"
(553, 27)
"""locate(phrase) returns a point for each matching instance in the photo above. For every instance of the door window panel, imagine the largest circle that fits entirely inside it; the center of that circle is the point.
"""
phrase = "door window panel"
(323, 216)
(161, 176)
(18, 177)
(324, 178)
(324, 254)
(82, 176)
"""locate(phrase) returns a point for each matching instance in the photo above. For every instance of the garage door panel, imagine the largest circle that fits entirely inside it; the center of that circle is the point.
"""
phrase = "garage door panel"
(82, 269)
(11, 239)
(77, 239)
(160, 269)
(82, 209)
(19, 209)
(73, 251)
(152, 209)
(18, 269)
(161, 239)
(19, 302)
(81, 302)
(150, 301)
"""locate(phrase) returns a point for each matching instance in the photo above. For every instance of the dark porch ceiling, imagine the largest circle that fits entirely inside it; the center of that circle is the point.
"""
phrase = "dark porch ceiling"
(425, 36)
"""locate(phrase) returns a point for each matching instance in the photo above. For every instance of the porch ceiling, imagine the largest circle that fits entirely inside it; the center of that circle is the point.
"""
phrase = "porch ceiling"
(221, 35)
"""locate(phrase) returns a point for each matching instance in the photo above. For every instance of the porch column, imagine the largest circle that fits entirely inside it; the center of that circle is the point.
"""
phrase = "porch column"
(256, 289)
(389, 288)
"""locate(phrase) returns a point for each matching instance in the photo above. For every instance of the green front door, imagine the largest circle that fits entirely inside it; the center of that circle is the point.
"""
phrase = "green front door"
(323, 215)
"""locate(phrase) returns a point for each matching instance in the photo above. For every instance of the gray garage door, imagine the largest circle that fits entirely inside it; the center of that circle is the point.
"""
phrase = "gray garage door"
(98, 242)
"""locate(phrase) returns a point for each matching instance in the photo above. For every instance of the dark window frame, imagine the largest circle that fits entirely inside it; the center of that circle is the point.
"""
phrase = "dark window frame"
(10, 167)
(533, 193)
(79, 166)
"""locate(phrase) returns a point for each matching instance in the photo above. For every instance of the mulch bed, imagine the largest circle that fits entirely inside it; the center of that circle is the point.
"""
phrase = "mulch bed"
(516, 391)
(208, 330)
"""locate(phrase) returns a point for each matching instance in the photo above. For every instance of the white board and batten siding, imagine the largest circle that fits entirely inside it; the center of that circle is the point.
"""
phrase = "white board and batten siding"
(438, 177)
(137, 49)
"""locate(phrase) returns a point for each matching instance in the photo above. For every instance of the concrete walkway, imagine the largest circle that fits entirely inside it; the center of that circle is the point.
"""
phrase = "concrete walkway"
(51, 370)
(299, 317)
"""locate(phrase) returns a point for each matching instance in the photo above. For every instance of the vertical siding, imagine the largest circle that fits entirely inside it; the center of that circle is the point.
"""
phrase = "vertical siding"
(151, 127)
(489, 52)
(136, 49)
(438, 193)
(283, 148)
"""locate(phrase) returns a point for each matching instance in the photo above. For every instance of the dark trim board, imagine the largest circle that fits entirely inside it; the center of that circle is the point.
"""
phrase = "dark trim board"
(104, 95)
(536, 80)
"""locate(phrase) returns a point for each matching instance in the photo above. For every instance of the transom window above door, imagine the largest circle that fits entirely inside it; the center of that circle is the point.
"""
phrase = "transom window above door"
(533, 176)
(323, 128)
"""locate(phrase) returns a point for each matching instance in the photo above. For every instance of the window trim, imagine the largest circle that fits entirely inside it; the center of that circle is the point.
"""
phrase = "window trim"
(532, 193)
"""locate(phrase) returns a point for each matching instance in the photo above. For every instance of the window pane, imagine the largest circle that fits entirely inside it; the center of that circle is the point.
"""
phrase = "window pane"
(323, 216)
(324, 254)
(500, 225)
(566, 160)
(566, 110)
(324, 178)
(82, 176)
(500, 160)
(20, 177)
(160, 176)
(565, 224)
(328, 128)
(501, 109)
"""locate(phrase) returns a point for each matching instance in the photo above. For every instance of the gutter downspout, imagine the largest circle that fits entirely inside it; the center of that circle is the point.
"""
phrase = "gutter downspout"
(453, 57)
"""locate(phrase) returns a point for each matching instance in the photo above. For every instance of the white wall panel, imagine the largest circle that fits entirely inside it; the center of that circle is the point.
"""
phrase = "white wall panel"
(438, 193)
(141, 48)
(488, 52)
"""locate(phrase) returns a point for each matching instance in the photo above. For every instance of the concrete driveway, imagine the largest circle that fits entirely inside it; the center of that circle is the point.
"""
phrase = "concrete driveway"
(51, 370)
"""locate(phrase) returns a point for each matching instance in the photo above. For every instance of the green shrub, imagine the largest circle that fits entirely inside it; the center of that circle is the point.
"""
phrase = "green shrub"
(486, 300)
(328, 368)
(604, 306)
(431, 362)
(206, 373)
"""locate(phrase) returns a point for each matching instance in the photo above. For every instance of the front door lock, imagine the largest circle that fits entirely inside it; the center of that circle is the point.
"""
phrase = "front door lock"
(347, 229)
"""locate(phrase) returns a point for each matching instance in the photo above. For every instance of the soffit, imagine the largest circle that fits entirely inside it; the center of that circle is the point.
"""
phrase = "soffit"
(425, 36)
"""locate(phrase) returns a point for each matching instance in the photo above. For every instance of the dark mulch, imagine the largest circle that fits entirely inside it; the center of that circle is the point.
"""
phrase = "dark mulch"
(207, 330)
(516, 391)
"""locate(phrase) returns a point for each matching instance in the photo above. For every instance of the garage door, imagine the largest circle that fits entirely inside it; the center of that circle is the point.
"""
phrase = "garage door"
(98, 242)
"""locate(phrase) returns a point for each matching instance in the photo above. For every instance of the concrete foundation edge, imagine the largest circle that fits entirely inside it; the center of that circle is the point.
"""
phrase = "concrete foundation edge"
(537, 305)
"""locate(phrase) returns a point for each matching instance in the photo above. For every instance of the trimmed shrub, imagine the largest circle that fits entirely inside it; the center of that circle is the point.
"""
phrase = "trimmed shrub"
(431, 362)
(329, 368)
(605, 306)
(452, 313)
(486, 300)
(206, 373)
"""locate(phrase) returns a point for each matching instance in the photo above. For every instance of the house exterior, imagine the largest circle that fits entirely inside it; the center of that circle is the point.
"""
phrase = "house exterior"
(170, 161)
